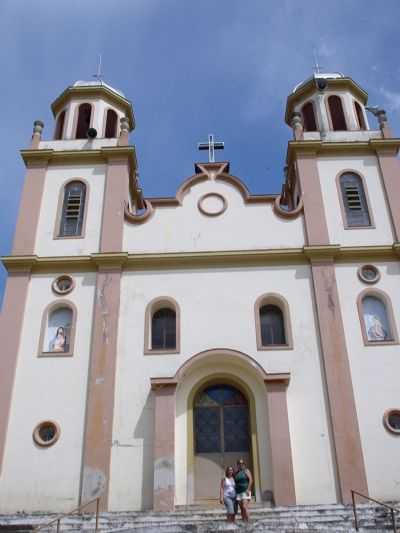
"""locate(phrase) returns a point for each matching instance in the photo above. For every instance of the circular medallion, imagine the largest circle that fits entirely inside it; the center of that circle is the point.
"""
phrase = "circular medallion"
(63, 284)
(46, 433)
(368, 274)
(391, 420)
(212, 204)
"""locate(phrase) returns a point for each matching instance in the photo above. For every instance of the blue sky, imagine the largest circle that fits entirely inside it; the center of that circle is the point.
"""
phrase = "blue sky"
(190, 67)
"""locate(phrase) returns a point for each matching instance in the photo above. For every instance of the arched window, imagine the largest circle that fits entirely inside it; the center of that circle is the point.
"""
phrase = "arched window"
(308, 114)
(377, 320)
(111, 124)
(60, 126)
(354, 200)
(272, 325)
(73, 209)
(337, 114)
(273, 329)
(162, 326)
(84, 116)
(163, 330)
(360, 116)
(58, 324)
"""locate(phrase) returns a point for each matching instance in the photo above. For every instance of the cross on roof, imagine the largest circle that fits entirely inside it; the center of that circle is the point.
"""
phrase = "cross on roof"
(317, 67)
(99, 74)
(211, 146)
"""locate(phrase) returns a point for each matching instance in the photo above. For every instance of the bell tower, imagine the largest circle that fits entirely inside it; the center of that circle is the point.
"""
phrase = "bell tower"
(332, 107)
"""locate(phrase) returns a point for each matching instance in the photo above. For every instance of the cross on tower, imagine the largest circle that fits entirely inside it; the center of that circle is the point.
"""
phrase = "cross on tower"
(99, 75)
(317, 68)
(211, 146)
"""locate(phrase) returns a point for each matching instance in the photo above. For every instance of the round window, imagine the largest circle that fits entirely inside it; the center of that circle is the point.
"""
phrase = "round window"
(368, 274)
(63, 284)
(46, 433)
(391, 419)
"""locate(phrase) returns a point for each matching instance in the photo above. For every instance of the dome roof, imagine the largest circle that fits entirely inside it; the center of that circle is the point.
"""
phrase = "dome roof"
(97, 83)
(325, 75)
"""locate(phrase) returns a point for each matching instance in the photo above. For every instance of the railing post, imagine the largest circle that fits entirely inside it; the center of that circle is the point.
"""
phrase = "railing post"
(393, 520)
(58, 525)
(97, 514)
(354, 510)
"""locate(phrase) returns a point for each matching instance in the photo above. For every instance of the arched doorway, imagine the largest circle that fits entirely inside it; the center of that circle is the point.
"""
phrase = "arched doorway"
(221, 430)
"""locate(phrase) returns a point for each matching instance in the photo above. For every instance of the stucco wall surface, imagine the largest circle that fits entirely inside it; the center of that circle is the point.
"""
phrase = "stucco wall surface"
(241, 226)
(367, 166)
(47, 388)
(48, 227)
(217, 311)
(375, 372)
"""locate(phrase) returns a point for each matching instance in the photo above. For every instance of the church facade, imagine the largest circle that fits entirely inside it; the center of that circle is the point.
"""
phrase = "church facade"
(147, 343)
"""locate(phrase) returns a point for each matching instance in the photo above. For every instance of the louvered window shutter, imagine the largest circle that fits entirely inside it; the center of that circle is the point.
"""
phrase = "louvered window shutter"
(73, 209)
(354, 200)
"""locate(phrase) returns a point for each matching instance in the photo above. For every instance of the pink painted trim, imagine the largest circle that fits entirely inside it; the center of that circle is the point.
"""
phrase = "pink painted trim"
(115, 193)
(143, 217)
(209, 195)
(390, 170)
(293, 213)
(343, 414)
(29, 210)
(11, 324)
(284, 492)
(101, 387)
(311, 194)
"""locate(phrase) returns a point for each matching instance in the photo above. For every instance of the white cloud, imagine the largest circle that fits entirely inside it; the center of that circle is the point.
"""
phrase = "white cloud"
(392, 99)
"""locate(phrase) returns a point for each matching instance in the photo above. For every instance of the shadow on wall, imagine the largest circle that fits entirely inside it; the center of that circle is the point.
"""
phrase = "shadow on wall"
(144, 430)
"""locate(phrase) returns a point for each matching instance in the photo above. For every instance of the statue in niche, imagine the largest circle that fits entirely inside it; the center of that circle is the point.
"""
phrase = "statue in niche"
(59, 341)
(376, 332)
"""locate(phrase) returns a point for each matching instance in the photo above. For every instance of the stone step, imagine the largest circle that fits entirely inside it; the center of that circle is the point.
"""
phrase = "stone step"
(328, 518)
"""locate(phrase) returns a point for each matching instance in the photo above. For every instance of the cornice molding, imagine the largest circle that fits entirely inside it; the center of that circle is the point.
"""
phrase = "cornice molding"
(312, 148)
(102, 155)
(212, 259)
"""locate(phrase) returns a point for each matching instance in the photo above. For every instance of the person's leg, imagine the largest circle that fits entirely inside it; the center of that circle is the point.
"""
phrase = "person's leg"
(245, 510)
(229, 508)
(242, 510)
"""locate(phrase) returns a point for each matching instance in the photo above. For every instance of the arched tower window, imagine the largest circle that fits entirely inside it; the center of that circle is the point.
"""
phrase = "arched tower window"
(337, 114)
(84, 117)
(60, 126)
(273, 329)
(162, 326)
(111, 124)
(73, 209)
(308, 115)
(377, 319)
(354, 200)
(360, 116)
(58, 329)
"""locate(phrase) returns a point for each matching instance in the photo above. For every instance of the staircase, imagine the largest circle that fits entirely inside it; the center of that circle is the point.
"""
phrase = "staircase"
(298, 519)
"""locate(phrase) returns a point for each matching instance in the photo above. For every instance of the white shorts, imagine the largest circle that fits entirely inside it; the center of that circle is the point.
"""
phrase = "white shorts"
(243, 496)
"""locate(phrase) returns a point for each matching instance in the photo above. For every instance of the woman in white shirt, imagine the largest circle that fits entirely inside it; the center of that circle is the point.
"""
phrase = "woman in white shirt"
(227, 493)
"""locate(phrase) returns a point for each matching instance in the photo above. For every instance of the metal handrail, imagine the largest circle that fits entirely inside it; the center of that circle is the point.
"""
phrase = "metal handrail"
(393, 510)
(60, 517)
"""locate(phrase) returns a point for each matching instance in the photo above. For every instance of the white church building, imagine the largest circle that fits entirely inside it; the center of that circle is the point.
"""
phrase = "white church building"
(147, 343)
